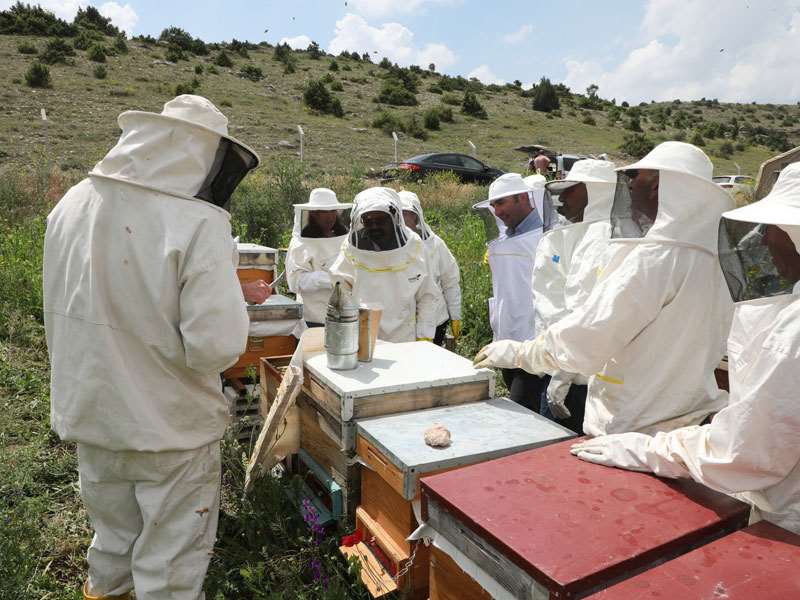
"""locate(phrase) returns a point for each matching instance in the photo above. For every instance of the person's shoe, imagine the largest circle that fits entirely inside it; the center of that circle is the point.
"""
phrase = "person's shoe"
(88, 596)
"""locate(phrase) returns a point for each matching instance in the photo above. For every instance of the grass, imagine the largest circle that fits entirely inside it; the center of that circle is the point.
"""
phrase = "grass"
(82, 113)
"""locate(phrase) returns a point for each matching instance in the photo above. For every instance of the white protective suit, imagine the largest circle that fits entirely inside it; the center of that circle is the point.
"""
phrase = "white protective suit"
(653, 328)
(752, 447)
(309, 259)
(441, 262)
(396, 279)
(568, 259)
(511, 262)
(143, 310)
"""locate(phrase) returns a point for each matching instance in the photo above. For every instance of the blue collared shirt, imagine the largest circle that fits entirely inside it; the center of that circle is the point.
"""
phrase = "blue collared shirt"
(529, 223)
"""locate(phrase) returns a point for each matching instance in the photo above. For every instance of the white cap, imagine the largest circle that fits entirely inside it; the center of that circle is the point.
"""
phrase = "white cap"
(323, 199)
(508, 184)
(587, 170)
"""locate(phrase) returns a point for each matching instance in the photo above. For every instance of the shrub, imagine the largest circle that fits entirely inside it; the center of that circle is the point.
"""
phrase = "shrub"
(226, 103)
(85, 39)
(393, 92)
(725, 150)
(636, 145)
(431, 119)
(333, 66)
(471, 106)
(697, 139)
(174, 54)
(100, 72)
(212, 70)
(445, 114)
(634, 124)
(317, 97)
(314, 51)
(38, 76)
(90, 18)
(251, 72)
(27, 19)
(387, 122)
(337, 86)
(120, 45)
(175, 36)
(57, 51)
(198, 69)
(588, 120)
(451, 99)
(97, 53)
(240, 48)
(26, 48)
(121, 92)
(414, 128)
(187, 88)
(435, 89)
(222, 59)
(545, 98)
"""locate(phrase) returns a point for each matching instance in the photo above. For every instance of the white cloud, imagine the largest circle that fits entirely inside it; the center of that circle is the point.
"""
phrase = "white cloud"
(380, 9)
(741, 52)
(299, 42)
(485, 75)
(438, 54)
(63, 9)
(515, 37)
(391, 40)
(123, 16)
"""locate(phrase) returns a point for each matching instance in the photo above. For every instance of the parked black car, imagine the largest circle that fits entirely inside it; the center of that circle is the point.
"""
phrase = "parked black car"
(467, 168)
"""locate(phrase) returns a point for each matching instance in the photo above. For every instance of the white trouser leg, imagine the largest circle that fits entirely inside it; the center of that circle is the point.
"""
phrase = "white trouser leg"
(176, 495)
(115, 517)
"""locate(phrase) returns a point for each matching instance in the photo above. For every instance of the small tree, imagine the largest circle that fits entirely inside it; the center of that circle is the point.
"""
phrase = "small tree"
(636, 145)
(26, 48)
(431, 119)
(432, 68)
(223, 60)
(697, 139)
(251, 72)
(545, 98)
(120, 45)
(471, 106)
(333, 66)
(100, 72)
(97, 53)
(38, 76)
(317, 97)
(314, 51)
(57, 51)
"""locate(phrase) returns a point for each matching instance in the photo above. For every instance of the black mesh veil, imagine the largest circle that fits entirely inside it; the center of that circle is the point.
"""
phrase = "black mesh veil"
(231, 163)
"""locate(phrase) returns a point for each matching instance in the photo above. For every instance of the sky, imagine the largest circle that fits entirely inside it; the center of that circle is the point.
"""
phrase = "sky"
(635, 50)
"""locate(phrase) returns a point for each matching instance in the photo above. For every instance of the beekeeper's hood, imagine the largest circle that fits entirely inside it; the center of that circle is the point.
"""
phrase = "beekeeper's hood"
(689, 203)
(185, 151)
(759, 244)
(410, 201)
(600, 180)
(378, 200)
(320, 200)
(365, 253)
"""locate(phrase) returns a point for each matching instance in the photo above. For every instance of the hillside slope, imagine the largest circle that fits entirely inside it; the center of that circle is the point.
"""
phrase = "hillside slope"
(82, 113)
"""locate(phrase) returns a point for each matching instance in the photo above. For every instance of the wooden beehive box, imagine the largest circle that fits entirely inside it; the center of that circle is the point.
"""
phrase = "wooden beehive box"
(544, 524)
(270, 323)
(401, 377)
(394, 451)
(256, 262)
(756, 563)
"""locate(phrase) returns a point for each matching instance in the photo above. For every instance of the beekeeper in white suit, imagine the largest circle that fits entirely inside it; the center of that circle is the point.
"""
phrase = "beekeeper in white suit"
(565, 270)
(143, 310)
(383, 262)
(513, 214)
(752, 446)
(320, 228)
(653, 328)
(442, 265)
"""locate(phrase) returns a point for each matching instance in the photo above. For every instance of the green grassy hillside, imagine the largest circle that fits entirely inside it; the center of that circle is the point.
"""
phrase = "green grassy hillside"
(82, 112)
